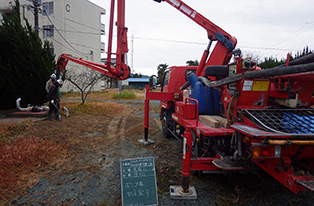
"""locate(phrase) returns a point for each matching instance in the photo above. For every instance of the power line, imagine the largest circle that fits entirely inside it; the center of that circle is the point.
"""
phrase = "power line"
(202, 43)
(169, 40)
(55, 40)
(310, 35)
(265, 48)
(77, 31)
(80, 32)
(63, 37)
(293, 34)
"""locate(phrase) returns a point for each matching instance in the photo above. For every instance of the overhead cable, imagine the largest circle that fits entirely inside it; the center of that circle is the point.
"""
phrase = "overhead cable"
(77, 51)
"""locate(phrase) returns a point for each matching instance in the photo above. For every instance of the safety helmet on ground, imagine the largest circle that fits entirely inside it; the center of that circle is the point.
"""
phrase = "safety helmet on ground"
(53, 76)
(59, 81)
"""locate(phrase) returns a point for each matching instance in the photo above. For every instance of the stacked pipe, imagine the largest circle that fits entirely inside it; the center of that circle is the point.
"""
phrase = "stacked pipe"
(301, 65)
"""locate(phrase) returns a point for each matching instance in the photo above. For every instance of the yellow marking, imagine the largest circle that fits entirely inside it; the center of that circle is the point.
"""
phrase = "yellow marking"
(260, 86)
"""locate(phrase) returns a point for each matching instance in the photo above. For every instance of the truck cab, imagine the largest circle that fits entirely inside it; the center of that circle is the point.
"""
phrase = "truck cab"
(174, 77)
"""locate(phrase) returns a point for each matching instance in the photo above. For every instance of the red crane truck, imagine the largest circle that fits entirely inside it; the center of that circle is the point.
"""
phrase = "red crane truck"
(121, 70)
(235, 116)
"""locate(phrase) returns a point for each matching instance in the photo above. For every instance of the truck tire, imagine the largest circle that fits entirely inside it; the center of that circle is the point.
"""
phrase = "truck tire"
(166, 122)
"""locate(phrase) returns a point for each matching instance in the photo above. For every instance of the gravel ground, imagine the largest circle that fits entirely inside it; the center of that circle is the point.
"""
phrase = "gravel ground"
(90, 175)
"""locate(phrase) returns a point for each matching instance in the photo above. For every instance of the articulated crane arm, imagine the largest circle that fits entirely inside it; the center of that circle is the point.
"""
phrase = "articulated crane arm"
(64, 58)
(226, 43)
(120, 71)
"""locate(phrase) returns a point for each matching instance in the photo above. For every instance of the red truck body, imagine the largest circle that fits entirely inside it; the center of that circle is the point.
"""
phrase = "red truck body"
(258, 124)
(238, 117)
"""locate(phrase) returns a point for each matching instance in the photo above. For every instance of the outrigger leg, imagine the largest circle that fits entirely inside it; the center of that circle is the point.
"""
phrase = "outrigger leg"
(185, 191)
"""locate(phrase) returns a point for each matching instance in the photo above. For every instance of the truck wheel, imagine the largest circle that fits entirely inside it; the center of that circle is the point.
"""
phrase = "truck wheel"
(166, 122)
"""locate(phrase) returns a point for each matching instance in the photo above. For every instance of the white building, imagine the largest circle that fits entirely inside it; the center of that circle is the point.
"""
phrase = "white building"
(71, 26)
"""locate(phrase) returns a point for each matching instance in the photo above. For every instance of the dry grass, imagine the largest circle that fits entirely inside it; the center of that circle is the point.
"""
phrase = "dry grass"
(94, 108)
(108, 94)
(5, 130)
(23, 152)
(20, 156)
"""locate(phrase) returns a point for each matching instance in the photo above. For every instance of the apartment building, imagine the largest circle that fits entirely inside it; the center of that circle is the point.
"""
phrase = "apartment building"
(71, 26)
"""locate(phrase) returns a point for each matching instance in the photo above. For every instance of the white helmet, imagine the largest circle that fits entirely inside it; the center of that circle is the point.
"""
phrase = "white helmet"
(53, 76)
(59, 81)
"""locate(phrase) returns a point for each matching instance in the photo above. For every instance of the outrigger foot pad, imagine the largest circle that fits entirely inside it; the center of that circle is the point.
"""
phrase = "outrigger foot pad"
(177, 192)
(146, 142)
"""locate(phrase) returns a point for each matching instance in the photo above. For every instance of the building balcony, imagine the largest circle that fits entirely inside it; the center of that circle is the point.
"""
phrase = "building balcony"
(6, 7)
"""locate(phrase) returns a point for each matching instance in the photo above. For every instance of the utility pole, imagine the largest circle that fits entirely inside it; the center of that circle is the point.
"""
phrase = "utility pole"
(35, 2)
(132, 52)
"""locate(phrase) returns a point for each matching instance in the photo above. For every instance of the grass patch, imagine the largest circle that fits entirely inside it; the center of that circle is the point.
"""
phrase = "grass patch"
(95, 108)
(124, 95)
(18, 157)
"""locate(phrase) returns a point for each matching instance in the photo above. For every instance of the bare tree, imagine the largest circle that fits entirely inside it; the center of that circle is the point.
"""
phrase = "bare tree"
(84, 80)
(256, 57)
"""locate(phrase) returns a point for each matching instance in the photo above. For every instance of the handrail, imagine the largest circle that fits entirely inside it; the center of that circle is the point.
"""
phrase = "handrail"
(197, 105)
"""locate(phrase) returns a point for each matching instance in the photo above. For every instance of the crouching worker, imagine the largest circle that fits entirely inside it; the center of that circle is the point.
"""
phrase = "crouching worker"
(53, 100)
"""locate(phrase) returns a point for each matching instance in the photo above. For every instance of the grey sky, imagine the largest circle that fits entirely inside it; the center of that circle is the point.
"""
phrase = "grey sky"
(164, 35)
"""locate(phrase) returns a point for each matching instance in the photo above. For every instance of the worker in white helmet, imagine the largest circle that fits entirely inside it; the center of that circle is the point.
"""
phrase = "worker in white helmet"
(54, 100)
(50, 82)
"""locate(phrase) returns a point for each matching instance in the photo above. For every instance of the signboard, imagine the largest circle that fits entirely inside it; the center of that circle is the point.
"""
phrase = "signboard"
(138, 182)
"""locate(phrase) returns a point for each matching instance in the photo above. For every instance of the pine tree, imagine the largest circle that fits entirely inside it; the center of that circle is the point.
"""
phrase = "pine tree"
(270, 62)
(25, 62)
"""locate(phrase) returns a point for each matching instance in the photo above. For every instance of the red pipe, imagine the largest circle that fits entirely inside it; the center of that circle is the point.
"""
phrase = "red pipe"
(201, 66)
(187, 153)
(146, 113)
(110, 35)
(288, 60)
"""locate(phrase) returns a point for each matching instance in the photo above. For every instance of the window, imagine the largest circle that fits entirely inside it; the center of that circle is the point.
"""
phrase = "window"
(48, 31)
(188, 72)
(102, 47)
(102, 28)
(48, 7)
(52, 50)
(166, 78)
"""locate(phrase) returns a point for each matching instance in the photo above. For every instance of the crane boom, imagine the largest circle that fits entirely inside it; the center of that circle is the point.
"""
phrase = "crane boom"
(64, 58)
(226, 43)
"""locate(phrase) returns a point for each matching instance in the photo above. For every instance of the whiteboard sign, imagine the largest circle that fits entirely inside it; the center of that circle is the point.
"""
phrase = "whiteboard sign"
(138, 182)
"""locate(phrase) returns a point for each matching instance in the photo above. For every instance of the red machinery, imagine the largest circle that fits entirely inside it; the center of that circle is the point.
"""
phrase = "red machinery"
(238, 117)
(120, 71)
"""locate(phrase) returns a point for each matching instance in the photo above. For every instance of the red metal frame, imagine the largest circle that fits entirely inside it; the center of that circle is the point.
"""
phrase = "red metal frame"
(166, 96)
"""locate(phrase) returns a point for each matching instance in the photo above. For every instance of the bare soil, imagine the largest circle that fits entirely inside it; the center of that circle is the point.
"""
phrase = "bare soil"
(87, 172)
